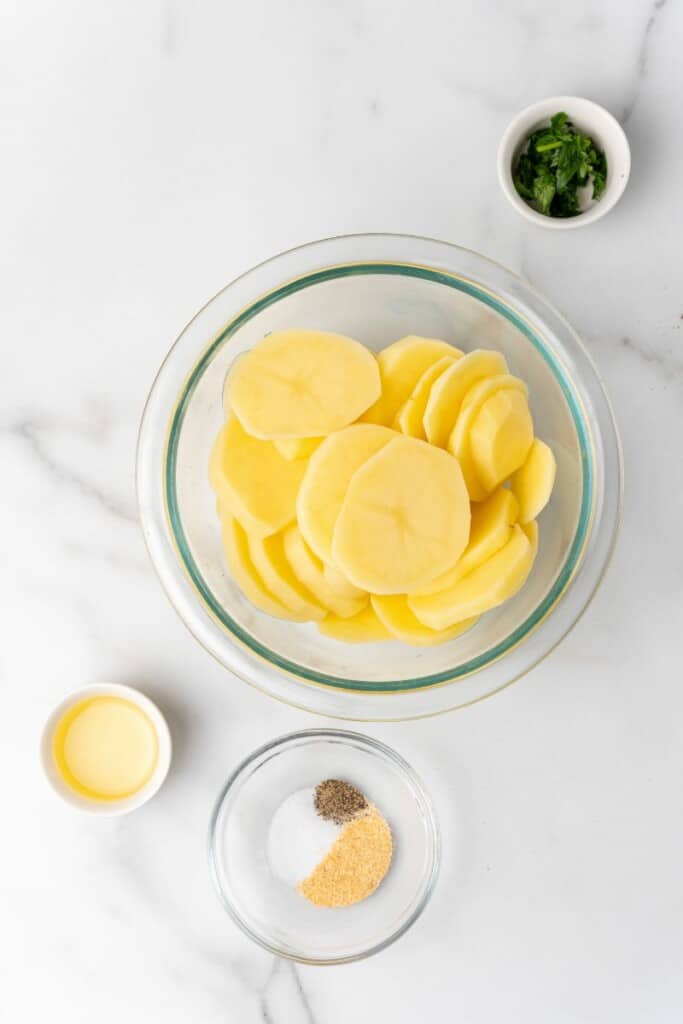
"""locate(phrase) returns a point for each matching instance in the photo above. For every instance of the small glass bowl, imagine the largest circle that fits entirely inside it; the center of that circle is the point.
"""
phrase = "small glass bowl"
(378, 288)
(275, 915)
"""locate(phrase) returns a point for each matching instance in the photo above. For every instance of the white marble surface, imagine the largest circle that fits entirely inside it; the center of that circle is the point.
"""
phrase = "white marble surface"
(152, 150)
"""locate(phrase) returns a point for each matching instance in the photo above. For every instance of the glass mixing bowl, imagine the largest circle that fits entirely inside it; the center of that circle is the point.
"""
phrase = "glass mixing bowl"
(377, 288)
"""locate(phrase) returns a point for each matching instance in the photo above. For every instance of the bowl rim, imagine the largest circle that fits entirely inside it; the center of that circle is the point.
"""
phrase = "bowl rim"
(345, 687)
(518, 130)
(349, 737)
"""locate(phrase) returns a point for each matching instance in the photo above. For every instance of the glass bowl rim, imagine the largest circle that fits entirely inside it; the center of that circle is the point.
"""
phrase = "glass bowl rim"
(419, 789)
(283, 664)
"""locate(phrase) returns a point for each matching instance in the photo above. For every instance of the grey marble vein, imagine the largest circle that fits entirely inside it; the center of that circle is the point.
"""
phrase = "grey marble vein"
(29, 431)
(305, 1004)
(281, 1014)
(643, 58)
(263, 994)
(665, 362)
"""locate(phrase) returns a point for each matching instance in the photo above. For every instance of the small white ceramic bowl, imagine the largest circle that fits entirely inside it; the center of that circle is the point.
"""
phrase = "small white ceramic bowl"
(109, 808)
(591, 119)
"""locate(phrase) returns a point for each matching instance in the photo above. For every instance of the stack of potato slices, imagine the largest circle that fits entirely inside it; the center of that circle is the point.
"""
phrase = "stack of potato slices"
(382, 497)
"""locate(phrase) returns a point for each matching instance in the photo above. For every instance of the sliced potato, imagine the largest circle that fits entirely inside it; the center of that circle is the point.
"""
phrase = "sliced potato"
(268, 556)
(491, 528)
(253, 480)
(327, 478)
(401, 365)
(392, 610)
(487, 586)
(448, 393)
(531, 531)
(409, 417)
(297, 447)
(339, 582)
(458, 442)
(302, 383)
(310, 571)
(501, 437)
(404, 520)
(533, 482)
(363, 628)
(330, 514)
(242, 568)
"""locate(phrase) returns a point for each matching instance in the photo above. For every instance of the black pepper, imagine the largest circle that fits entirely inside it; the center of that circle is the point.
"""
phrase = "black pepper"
(338, 801)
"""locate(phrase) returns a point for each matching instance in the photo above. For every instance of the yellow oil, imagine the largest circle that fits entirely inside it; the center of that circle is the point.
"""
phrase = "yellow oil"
(105, 748)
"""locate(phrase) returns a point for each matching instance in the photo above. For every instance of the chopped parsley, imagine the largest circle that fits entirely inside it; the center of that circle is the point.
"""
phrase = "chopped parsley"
(556, 162)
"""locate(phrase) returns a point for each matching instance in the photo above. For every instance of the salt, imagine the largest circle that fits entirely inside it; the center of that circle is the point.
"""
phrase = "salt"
(299, 839)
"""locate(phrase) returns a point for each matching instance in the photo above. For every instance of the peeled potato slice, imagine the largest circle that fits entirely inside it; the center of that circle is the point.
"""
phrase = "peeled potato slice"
(302, 383)
(253, 481)
(363, 628)
(268, 556)
(405, 518)
(401, 365)
(458, 442)
(339, 582)
(500, 437)
(297, 447)
(392, 610)
(243, 570)
(533, 482)
(310, 571)
(491, 528)
(449, 391)
(487, 586)
(409, 417)
(531, 531)
(329, 472)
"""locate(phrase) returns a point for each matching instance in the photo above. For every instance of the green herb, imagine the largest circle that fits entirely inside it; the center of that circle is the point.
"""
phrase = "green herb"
(544, 189)
(556, 162)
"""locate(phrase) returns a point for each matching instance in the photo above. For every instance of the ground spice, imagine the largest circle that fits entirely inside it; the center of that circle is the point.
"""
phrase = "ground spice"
(338, 801)
(355, 865)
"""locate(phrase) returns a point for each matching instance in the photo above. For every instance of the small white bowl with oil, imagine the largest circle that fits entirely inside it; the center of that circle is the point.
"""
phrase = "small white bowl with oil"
(106, 749)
